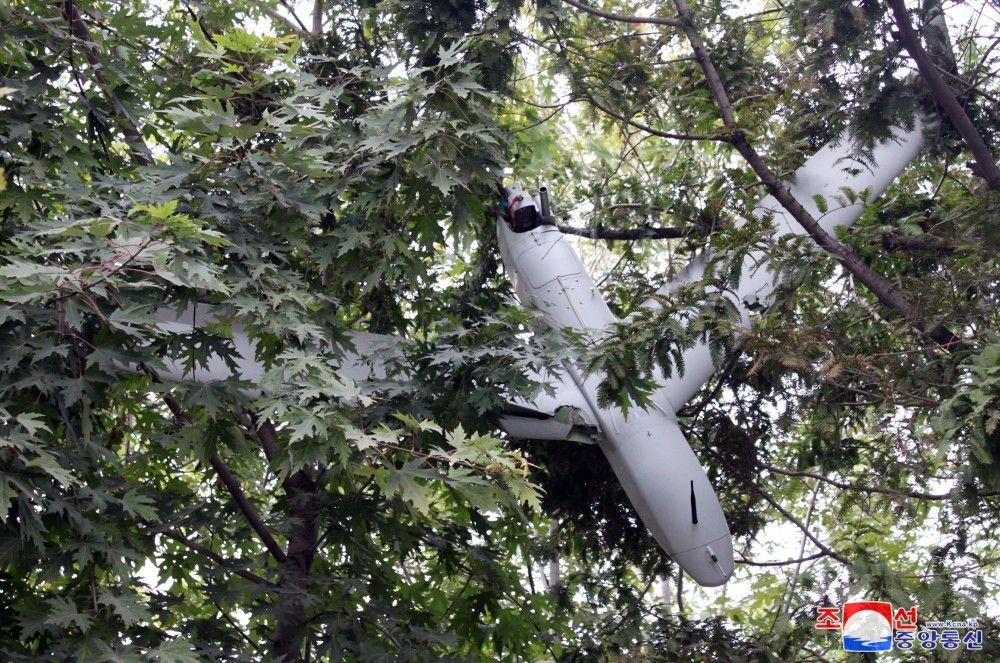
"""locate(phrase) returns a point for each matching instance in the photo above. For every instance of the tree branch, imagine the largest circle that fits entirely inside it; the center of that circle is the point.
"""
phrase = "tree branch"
(944, 96)
(712, 78)
(303, 539)
(233, 486)
(882, 289)
(81, 33)
(928, 244)
(645, 232)
(249, 512)
(843, 485)
(317, 25)
(227, 564)
(789, 592)
(297, 28)
(624, 18)
(782, 510)
(785, 562)
(648, 129)
(795, 521)
(303, 542)
(291, 10)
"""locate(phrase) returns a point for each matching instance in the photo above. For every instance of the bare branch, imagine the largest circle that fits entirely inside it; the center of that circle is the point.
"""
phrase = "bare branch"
(317, 26)
(784, 562)
(843, 485)
(961, 569)
(249, 512)
(648, 129)
(624, 18)
(789, 592)
(291, 10)
(805, 530)
(782, 510)
(944, 96)
(644, 232)
(227, 564)
(888, 295)
(233, 486)
(712, 78)
(297, 28)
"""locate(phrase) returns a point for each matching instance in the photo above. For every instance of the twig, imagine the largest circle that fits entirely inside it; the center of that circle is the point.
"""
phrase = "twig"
(873, 489)
(624, 18)
(656, 132)
(960, 569)
(236, 627)
(789, 592)
(227, 564)
(614, 267)
(785, 562)
(645, 232)
(783, 511)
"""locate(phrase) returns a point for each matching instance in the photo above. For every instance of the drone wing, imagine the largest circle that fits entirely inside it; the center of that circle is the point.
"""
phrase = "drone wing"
(368, 361)
(834, 186)
(558, 413)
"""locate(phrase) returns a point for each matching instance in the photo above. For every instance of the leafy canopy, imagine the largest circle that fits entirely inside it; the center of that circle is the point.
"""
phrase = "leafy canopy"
(328, 172)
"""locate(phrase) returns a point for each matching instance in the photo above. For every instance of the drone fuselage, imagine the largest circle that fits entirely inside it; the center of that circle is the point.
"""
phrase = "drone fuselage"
(647, 450)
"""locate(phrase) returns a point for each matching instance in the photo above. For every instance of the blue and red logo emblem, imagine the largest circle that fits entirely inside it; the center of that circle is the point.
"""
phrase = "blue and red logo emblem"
(867, 626)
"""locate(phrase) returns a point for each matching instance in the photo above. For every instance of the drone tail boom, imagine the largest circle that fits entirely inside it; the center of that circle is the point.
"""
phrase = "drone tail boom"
(834, 185)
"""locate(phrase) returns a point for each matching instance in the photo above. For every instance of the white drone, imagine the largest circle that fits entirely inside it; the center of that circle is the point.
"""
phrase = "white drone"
(647, 451)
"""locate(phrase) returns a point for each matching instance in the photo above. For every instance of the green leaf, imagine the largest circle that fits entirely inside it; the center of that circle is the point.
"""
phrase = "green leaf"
(175, 651)
(126, 606)
(102, 227)
(63, 612)
(443, 181)
(139, 506)
(403, 482)
(130, 320)
(7, 493)
(32, 422)
(48, 464)
(157, 211)
(820, 201)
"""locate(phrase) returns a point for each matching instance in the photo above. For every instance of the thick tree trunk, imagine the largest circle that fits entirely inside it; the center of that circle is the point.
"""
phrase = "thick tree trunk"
(303, 540)
(293, 586)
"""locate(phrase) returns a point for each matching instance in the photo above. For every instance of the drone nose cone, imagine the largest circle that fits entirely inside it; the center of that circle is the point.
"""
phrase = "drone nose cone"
(710, 565)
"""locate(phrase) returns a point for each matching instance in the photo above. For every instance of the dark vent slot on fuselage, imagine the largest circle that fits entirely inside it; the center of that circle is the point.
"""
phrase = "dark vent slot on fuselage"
(694, 506)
